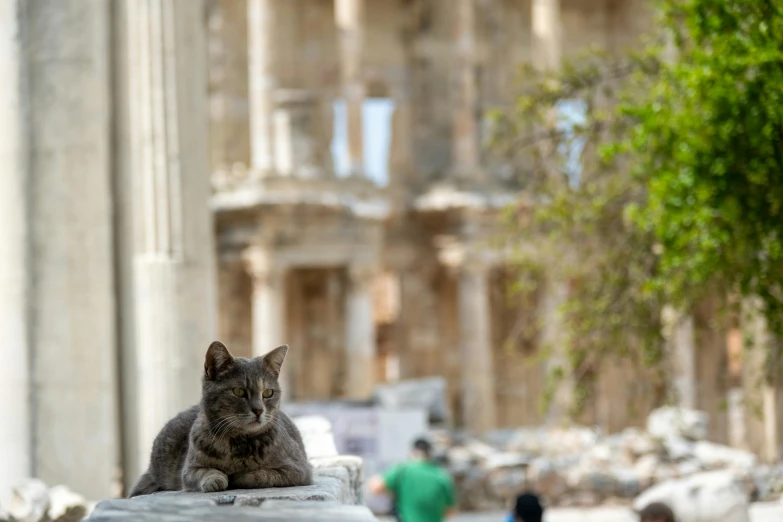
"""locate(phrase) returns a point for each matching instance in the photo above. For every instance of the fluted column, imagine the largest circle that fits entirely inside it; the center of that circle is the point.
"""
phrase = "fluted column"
(349, 17)
(360, 332)
(465, 151)
(547, 34)
(262, 44)
(478, 393)
(14, 262)
(72, 310)
(173, 270)
(268, 306)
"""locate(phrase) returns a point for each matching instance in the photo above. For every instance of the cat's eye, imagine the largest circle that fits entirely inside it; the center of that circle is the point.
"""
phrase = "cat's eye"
(239, 392)
(267, 393)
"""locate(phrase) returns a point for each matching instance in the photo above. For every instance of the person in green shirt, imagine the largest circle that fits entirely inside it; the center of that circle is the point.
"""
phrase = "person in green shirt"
(423, 491)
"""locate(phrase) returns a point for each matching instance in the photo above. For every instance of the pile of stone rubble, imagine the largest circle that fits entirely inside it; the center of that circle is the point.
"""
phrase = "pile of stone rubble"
(580, 467)
(34, 501)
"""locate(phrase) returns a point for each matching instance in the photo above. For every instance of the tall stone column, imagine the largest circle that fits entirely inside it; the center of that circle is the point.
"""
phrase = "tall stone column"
(555, 341)
(465, 146)
(546, 43)
(14, 241)
(711, 365)
(73, 314)
(349, 17)
(360, 332)
(761, 375)
(172, 275)
(478, 392)
(228, 83)
(547, 34)
(262, 43)
(679, 334)
(268, 306)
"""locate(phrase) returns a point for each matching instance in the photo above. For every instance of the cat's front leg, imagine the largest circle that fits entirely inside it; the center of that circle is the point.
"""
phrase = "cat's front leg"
(204, 479)
(284, 476)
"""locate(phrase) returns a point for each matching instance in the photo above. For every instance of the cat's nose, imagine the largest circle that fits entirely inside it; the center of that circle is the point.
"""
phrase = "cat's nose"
(258, 412)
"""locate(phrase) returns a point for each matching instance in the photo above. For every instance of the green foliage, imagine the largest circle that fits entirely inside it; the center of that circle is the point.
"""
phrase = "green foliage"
(709, 143)
(681, 186)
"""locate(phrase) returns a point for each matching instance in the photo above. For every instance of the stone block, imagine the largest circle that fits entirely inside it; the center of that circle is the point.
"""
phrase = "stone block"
(184, 509)
(333, 496)
(34, 501)
(714, 456)
(29, 501)
(317, 510)
(716, 496)
(671, 421)
(355, 471)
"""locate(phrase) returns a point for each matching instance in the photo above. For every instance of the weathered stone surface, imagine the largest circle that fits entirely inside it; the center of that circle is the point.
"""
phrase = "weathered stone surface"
(544, 441)
(428, 394)
(33, 501)
(65, 505)
(355, 470)
(578, 466)
(705, 497)
(329, 484)
(767, 482)
(185, 509)
(29, 501)
(715, 456)
(336, 491)
(670, 421)
(316, 510)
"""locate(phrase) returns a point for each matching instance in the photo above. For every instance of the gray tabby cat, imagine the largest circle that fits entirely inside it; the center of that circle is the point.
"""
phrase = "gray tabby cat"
(237, 438)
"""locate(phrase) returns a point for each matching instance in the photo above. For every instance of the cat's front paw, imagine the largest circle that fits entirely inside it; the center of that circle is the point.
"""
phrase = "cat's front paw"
(215, 481)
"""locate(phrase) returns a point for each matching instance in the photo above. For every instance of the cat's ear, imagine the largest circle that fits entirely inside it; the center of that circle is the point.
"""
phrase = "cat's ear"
(218, 359)
(273, 361)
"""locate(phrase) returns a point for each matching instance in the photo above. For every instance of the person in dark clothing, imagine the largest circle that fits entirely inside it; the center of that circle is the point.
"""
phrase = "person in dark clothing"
(656, 512)
(527, 508)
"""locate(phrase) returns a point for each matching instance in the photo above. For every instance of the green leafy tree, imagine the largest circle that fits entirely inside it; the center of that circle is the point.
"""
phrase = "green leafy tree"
(678, 191)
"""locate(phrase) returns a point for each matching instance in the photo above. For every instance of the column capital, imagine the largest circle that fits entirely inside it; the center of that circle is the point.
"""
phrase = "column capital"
(462, 257)
(362, 274)
(261, 265)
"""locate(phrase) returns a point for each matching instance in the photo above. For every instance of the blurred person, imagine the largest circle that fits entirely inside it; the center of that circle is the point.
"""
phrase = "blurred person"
(422, 490)
(656, 512)
(527, 508)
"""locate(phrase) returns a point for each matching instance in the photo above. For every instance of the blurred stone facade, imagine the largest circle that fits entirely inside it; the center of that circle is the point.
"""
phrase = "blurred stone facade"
(176, 171)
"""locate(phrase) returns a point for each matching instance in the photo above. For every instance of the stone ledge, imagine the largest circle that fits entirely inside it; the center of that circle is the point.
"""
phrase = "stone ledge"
(333, 496)
(334, 466)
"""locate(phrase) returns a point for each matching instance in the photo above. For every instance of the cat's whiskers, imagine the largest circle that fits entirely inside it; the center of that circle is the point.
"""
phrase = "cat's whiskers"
(222, 425)
(278, 423)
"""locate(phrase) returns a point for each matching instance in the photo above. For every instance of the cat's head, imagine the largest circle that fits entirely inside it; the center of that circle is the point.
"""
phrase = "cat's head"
(240, 394)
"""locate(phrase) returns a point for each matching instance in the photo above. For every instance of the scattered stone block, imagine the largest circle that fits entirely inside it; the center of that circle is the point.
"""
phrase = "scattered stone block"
(29, 501)
(715, 496)
(65, 505)
(671, 421)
